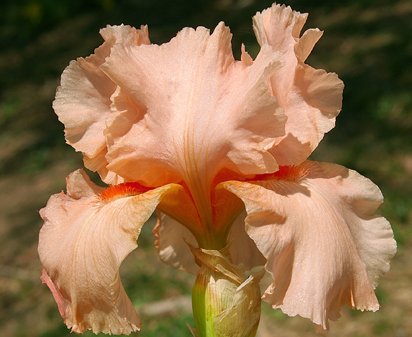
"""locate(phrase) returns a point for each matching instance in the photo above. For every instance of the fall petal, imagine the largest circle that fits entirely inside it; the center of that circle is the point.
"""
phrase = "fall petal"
(311, 98)
(324, 244)
(173, 241)
(242, 248)
(83, 100)
(82, 243)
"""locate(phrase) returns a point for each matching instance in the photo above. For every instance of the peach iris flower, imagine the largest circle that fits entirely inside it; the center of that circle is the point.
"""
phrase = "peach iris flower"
(219, 148)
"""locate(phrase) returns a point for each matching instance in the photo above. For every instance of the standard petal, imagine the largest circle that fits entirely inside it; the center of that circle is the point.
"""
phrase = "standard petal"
(325, 246)
(83, 100)
(310, 98)
(84, 239)
(205, 111)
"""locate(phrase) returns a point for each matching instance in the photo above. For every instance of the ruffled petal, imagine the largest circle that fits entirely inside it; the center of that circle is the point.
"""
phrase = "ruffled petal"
(205, 111)
(311, 98)
(83, 241)
(83, 100)
(325, 247)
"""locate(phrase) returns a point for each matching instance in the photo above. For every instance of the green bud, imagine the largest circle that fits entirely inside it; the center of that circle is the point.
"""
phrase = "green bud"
(225, 299)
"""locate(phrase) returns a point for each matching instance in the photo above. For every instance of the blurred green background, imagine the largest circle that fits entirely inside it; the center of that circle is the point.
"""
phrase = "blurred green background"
(368, 43)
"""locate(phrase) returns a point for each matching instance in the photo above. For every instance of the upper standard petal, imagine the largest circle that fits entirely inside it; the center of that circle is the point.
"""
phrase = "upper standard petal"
(325, 246)
(83, 100)
(205, 111)
(83, 241)
(310, 98)
(188, 129)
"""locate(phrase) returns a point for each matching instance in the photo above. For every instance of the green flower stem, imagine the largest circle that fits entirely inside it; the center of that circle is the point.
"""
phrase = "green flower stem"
(225, 299)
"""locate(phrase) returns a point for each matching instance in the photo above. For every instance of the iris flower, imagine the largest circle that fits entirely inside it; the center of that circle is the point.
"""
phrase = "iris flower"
(219, 148)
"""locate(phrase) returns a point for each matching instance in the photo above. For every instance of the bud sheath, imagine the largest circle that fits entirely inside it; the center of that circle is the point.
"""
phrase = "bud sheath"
(226, 300)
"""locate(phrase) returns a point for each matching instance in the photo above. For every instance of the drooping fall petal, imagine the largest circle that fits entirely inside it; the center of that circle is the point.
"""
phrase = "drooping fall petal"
(83, 101)
(84, 239)
(324, 245)
(311, 98)
(174, 242)
(205, 111)
(242, 249)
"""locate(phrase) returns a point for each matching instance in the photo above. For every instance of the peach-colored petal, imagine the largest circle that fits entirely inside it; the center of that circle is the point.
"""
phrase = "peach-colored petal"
(173, 242)
(61, 302)
(82, 243)
(226, 206)
(324, 245)
(205, 111)
(311, 98)
(83, 101)
(306, 43)
(242, 249)
(179, 205)
(79, 185)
